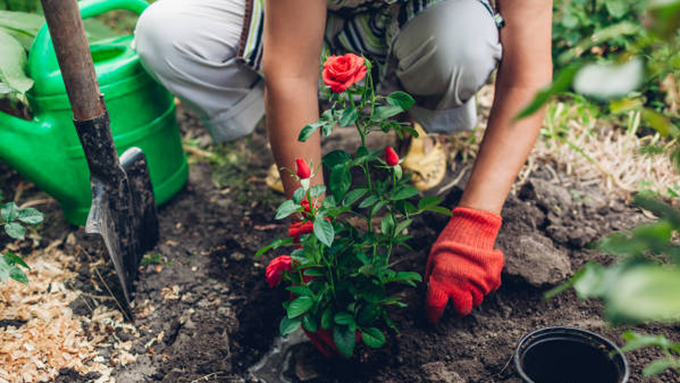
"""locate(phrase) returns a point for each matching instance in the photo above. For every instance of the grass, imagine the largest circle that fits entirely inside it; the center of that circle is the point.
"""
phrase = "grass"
(581, 140)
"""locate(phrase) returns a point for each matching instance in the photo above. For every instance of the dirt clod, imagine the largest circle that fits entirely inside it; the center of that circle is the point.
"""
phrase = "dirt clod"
(534, 259)
(437, 372)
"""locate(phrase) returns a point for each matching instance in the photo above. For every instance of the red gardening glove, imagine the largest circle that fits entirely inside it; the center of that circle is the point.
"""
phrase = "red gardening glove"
(463, 265)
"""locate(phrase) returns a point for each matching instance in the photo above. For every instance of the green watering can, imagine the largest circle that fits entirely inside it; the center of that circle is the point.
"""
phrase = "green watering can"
(47, 150)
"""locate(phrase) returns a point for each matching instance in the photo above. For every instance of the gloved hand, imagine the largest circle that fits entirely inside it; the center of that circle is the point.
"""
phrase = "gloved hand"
(463, 265)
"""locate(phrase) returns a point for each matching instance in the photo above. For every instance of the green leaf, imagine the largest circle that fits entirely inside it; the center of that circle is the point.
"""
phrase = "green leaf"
(376, 208)
(562, 83)
(660, 123)
(302, 291)
(299, 306)
(18, 275)
(323, 230)
(349, 116)
(369, 201)
(387, 225)
(645, 293)
(635, 341)
(22, 22)
(369, 314)
(404, 193)
(354, 195)
(310, 323)
(13, 64)
(289, 325)
(13, 259)
(15, 230)
(658, 366)
(287, 208)
(317, 190)
(616, 8)
(344, 318)
(309, 130)
(9, 212)
(340, 182)
(400, 99)
(313, 273)
(4, 270)
(384, 112)
(344, 338)
(440, 210)
(428, 202)
(327, 319)
(336, 157)
(30, 216)
(605, 81)
(372, 337)
(402, 225)
(298, 196)
(274, 245)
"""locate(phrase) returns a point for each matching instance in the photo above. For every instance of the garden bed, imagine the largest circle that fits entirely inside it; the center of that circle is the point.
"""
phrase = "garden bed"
(204, 312)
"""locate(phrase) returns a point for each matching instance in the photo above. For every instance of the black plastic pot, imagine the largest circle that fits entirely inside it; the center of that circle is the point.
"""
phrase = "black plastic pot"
(569, 355)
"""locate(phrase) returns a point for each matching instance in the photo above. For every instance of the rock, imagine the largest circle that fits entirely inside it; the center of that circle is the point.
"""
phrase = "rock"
(582, 236)
(237, 256)
(305, 366)
(550, 197)
(534, 259)
(437, 372)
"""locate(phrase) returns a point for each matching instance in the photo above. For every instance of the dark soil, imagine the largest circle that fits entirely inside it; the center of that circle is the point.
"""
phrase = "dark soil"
(212, 315)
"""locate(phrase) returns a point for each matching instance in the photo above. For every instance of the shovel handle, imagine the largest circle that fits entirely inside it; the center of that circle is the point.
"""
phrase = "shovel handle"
(73, 53)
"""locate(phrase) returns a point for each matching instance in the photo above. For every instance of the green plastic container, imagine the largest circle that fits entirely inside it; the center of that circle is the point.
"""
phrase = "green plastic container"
(47, 151)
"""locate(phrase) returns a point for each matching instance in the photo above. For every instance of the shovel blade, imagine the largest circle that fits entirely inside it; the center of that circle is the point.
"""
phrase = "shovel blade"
(145, 216)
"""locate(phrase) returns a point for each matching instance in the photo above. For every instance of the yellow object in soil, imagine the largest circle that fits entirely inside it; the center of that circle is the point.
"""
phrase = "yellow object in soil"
(273, 179)
(427, 164)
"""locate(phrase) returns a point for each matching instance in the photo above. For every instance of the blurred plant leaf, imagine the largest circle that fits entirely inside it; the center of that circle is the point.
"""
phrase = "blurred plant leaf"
(605, 81)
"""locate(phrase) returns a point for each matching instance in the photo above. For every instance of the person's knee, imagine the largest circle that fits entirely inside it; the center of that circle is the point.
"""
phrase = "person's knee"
(155, 34)
(459, 47)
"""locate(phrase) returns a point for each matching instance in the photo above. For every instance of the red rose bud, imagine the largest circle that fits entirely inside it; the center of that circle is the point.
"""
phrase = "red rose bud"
(303, 171)
(276, 268)
(391, 156)
(341, 72)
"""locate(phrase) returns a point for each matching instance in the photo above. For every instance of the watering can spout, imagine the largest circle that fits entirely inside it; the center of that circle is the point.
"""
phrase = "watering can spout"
(20, 140)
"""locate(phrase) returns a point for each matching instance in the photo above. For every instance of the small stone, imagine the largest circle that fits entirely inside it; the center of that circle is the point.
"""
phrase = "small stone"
(305, 368)
(549, 196)
(535, 259)
(582, 236)
(437, 372)
(237, 256)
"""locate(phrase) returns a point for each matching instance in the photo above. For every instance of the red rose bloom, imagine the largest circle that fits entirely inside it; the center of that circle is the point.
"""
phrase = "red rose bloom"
(276, 268)
(303, 171)
(391, 156)
(340, 72)
(297, 229)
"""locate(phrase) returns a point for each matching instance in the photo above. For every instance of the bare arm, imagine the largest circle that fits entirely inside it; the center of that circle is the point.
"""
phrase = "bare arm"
(293, 38)
(526, 67)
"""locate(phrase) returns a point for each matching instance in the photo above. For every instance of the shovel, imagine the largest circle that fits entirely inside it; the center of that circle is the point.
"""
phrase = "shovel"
(123, 210)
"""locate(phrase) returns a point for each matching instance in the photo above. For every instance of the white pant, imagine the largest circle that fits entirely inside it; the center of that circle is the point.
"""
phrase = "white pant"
(441, 57)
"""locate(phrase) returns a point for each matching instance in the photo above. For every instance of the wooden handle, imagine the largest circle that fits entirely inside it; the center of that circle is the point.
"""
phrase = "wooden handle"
(75, 61)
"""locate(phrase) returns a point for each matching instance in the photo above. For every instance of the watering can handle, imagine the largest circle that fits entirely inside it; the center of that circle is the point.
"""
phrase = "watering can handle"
(73, 53)
(90, 8)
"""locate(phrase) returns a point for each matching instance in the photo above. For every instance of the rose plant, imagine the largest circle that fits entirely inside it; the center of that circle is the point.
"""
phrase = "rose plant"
(338, 271)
